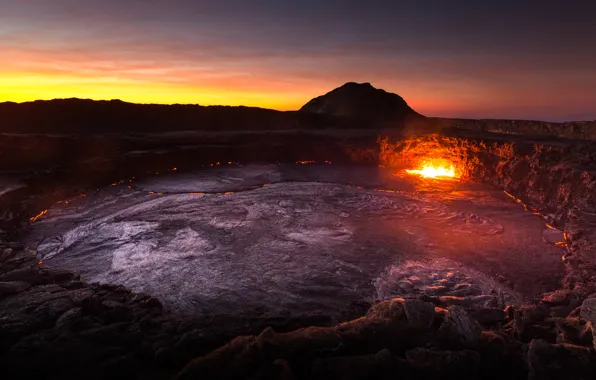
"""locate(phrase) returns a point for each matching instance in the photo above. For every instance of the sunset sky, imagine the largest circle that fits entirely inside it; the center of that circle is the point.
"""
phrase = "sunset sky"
(503, 59)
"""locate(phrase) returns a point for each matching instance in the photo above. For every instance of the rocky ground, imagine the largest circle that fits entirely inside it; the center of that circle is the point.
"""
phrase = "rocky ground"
(52, 325)
(568, 130)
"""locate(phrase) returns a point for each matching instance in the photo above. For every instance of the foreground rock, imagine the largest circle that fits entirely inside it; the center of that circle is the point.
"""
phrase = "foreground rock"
(385, 344)
(53, 326)
(560, 361)
(588, 313)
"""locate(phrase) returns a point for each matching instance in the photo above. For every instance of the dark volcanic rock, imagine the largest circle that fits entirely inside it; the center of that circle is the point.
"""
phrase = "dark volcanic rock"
(459, 328)
(83, 116)
(570, 130)
(361, 101)
(386, 326)
(588, 313)
(488, 316)
(62, 328)
(13, 287)
(431, 364)
(574, 331)
(419, 313)
(560, 361)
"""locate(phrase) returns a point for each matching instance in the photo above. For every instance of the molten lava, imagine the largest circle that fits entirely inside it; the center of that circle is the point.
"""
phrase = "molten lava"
(434, 171)
(41, 213)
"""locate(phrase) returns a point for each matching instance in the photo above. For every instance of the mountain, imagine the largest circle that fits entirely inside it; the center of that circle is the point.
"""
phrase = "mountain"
(362, 101)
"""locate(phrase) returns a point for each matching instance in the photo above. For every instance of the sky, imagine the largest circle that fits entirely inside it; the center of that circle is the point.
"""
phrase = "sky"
(454, 58)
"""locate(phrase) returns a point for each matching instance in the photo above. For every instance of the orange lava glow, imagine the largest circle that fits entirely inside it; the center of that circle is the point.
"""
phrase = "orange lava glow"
(432, 170)
(42, 213)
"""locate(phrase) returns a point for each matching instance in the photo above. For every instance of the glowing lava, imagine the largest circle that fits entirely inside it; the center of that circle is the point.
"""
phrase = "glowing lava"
(432, 171)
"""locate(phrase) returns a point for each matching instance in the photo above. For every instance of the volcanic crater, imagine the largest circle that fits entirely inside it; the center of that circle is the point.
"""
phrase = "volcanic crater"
(301, 239)
(310, 248)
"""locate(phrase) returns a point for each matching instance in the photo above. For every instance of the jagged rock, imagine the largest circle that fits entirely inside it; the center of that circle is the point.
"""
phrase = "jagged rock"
(588, 310)
(575, 313)
(573, 331)
(59, 275)
(93, 306)
(32, 298)
(502, 357)
(444, 364)
(68, 318)
(558, 297)
(5, 254)
(302, 342)
(15, 245)
(592, 328)
(13, 287)
(146, 301)
(530, 322)
(51, 310)
(393, 309)
(563, 311)
(386, 326)
(37, 275)
(545, 331)
(236, 360)
(78, 295)
(588, 313)
(560, 361)
(488, 316)
(485, 300)
(459, 328)
(419, 313)
(117, 312)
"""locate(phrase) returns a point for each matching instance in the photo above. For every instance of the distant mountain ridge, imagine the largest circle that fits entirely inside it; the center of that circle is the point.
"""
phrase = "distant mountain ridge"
(351, 106)
(84, 116)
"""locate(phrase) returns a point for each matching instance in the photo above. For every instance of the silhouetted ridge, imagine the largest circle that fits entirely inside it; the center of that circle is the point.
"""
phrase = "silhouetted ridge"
(350, 106)
(363, 102)
(84, 116)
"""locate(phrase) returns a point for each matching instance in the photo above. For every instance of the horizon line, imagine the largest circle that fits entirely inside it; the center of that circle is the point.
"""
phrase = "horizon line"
(276, 110)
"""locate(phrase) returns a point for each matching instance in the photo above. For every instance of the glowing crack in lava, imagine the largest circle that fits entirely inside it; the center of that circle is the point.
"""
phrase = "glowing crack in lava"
(435, 170)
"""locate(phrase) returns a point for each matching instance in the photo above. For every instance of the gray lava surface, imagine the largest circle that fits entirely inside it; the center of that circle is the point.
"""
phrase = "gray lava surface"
(302, 239)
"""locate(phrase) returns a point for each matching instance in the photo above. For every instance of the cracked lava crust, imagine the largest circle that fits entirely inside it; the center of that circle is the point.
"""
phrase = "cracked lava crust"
(303, 239)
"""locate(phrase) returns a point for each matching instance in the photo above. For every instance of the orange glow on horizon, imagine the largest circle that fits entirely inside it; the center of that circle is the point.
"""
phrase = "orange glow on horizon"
(25, 87)
(30, 76)
(40, 74)
(159, 72)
